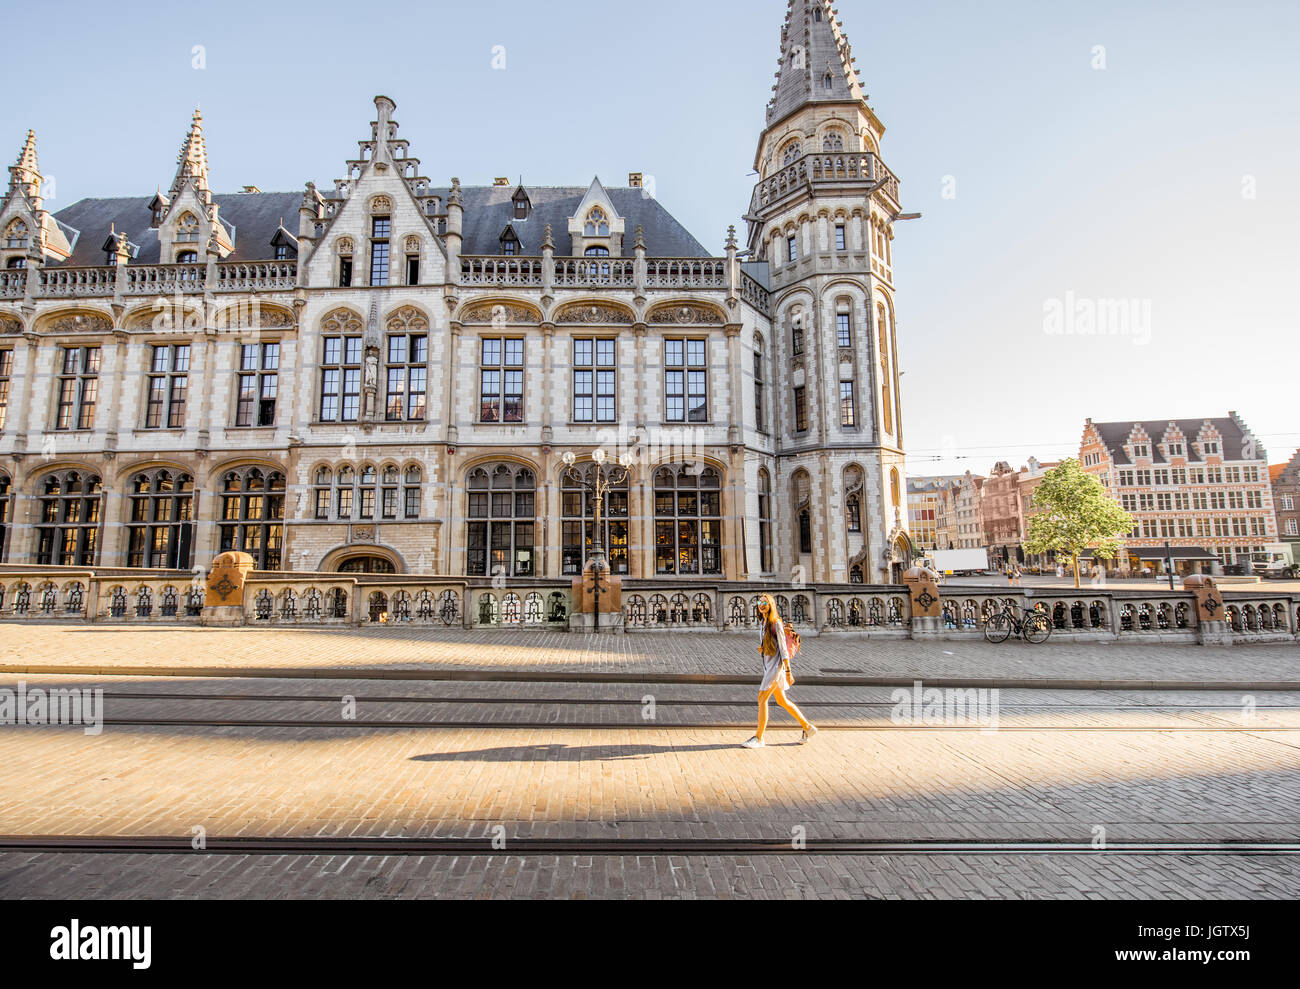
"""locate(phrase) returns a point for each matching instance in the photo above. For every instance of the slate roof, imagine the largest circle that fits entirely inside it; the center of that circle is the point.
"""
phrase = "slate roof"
(488, 209)
(1116, 434)
(254, 217)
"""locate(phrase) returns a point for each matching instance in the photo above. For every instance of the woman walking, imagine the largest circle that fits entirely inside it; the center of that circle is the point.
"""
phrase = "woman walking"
(776, 657)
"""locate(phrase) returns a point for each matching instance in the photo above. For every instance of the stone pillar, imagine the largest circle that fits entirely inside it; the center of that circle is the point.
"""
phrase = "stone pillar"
(583, 617)
(1211, 615)
(927, 610)
(224, 603)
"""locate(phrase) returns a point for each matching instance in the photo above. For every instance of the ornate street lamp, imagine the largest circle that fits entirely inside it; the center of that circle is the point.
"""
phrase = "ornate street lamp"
(603, 477)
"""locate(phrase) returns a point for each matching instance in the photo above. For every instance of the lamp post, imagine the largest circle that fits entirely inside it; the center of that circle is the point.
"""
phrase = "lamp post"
(603, 477)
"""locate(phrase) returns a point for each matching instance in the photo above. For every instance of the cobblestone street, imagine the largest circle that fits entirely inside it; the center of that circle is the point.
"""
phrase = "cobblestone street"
(426, 736)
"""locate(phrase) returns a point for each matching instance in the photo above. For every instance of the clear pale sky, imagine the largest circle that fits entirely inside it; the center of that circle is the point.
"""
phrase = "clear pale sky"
(1122, 183)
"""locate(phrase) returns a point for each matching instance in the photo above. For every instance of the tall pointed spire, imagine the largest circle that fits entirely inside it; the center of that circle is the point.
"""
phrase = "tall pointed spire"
(25, 174)
(192, 162)
(816, 63)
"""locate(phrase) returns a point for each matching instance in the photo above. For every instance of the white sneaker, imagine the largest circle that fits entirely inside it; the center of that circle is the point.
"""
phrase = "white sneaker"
(753, 743)
(808, 733)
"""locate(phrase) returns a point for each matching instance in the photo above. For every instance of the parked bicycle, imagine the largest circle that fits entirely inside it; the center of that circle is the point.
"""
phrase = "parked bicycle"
(1032, 626)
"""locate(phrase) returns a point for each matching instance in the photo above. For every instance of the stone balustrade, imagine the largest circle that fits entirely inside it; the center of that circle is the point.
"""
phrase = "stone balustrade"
(588, 272)
(257, 276)
(686, 273)
(871, 611)
(754, 293)
(76, 282)
(504, 271)
(824, 169)
(13, 283)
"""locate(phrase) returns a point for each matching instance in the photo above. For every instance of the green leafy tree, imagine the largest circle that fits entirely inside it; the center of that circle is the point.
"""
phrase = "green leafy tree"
(1071, 513)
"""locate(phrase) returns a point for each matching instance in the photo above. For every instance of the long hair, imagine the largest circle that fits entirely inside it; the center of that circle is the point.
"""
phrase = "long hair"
(771, 617)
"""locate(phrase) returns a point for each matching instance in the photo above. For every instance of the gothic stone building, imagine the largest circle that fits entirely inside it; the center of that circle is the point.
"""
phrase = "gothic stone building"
(384, 376)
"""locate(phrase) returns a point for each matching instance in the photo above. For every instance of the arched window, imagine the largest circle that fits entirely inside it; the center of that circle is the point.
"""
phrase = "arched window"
(187, 257)
(895, 487)
(597, 224)
(161, 531)
(805, 532)
(252, 515)
(853, 512)
(828, 82)
(367, 564)
(356, 494)
(501, 521)
(597, 252)
(764, 521)
(16, 235)
(688, 520)
(5, 501)
(760, 378)
(68, 532)
(792, 153)
(579, 511)
(833, 141)
(16, 263)
(886, 379)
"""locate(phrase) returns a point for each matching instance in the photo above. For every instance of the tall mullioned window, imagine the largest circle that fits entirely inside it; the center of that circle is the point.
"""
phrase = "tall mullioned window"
(764, 522)
(252, 516)
(6, 371)
(688, 520)
(168, 389)
(594, 384)
(844, 329)
(340, 381)
(501, 380)
(381, 228)
(686, 380)
(78, 392)
(760, 404)
(259, 384)
(68, 531)
(160, 533)
(848, 413)
(501, 528)
(6, 497)
(800, 410)
(408, 357)
(579, 526)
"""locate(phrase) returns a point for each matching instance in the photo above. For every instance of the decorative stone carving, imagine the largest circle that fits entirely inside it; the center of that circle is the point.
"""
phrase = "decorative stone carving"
(8, 324)
(381, 204)
(342, 321)
(345, 245)
(363, 534)
(275, 319)
(686, 315)
(412, 244)
(82, 323)
(586, 313)
(408, 319)
(498, 312)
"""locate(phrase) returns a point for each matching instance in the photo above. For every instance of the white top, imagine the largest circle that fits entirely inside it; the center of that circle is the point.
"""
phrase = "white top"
(774, 666)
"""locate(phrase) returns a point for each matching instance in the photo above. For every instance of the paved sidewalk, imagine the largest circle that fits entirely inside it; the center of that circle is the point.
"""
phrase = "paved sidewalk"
(319, 877)
(32, 648)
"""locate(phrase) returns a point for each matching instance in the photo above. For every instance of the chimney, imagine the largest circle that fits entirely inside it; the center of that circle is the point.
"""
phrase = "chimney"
(501, 181)
(636, 180)
(251, 189)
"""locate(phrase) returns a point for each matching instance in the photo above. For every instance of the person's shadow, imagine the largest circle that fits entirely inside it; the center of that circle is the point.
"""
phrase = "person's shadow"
(556, 752)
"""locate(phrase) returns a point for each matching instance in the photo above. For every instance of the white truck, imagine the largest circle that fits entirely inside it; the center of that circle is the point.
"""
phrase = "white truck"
(1277, 560)
(955, 562)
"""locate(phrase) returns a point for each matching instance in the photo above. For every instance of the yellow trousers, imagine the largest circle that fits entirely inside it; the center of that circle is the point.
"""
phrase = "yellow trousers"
(784, 702)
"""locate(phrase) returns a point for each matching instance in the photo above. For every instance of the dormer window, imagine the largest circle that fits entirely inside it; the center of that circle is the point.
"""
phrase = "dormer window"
(828, 82)
(187, 257)
(817, 14)
(1141, 450)
(17, 263)
(509, 243)
(282, 252)
(597, 252)
(1211, 447)
(597, 224)
(522, 204)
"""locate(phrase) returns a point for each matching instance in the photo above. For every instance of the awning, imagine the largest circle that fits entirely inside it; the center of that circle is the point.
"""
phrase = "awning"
(1176, 552)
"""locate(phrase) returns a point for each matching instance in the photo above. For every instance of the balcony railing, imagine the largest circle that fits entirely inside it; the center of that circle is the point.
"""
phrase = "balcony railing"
(249, 275)
(58, 282)
(821, 169)
(754, 293)
(584, 272)
(13, 283)
(500, 271)
(588, 272)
